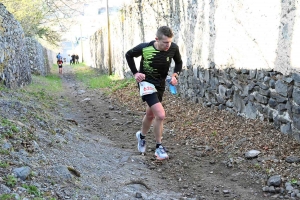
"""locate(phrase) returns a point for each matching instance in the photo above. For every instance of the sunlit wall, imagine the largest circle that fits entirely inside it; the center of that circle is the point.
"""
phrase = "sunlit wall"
(248, 34)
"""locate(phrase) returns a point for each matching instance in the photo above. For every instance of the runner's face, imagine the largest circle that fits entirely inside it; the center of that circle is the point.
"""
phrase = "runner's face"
(164, 43)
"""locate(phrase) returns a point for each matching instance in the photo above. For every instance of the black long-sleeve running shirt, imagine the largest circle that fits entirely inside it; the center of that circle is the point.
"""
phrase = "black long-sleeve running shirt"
(154, 64)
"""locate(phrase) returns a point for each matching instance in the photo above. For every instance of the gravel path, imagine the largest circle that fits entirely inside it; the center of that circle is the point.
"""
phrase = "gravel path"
(105, 153)
(86, 149)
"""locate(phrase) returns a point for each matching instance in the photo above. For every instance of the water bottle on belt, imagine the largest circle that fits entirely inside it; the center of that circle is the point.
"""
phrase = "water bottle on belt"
(173, 89)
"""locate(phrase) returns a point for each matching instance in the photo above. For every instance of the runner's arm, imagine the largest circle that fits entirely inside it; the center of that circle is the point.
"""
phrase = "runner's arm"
(178, 63)
(134, 52)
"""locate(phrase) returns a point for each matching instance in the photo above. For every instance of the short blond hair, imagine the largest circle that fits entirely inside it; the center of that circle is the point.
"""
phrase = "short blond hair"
(164, 31)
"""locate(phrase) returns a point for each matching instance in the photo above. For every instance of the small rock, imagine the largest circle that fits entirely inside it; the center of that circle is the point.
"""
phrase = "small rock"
(265, 189)
(226, 192)
(86, 99)
(289, 188)
(209, 148)
(274, 181)
(272, 189)
(4, 189)
(292, 159)
(138, 195)
(22, 172)
(252, 153)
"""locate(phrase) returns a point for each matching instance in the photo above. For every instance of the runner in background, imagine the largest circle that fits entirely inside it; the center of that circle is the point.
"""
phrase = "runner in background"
(60, 65)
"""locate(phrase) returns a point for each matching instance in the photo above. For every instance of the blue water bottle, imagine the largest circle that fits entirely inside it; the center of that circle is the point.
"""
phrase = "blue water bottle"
(172, 87)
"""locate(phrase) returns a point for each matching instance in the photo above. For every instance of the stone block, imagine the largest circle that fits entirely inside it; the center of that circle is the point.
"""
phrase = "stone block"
(238, 103)
(272, 103)
(286, 128)
(296, 121)
(222, 90)
(252, 74)
(272, 83)
(250, 111)
(296, 95)
(264, 92)
(278, 98)
(296, 77)
(296, 109)
(281, 88)
(260, 98)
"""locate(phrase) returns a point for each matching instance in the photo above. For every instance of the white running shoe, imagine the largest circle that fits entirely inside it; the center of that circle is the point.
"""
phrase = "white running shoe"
(161, 153)
(141, 142)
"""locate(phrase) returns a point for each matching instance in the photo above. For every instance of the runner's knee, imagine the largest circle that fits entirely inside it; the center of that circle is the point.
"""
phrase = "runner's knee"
(160, 116)
(150, 116)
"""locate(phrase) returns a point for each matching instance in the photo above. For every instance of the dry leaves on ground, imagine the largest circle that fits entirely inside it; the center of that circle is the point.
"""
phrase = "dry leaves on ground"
(227, 133)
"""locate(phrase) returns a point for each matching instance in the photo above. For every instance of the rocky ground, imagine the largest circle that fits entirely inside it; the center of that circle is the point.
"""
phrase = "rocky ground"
(80, 144)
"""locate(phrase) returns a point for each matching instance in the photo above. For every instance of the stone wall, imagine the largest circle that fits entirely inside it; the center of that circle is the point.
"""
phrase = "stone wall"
(14, 63)
(19, 56)
(38, 57)
(241, 56)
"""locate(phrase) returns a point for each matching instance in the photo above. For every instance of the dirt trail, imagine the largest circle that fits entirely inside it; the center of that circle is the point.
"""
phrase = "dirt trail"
(108, 169)
(102, 147)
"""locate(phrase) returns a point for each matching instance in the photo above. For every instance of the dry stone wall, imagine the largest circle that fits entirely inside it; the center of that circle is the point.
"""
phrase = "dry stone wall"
(241, 56)
(14, 63)
(38, 57)
(19, 56)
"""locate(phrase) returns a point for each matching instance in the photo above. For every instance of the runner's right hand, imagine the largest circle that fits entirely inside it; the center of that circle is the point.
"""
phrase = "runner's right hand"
(139, 77)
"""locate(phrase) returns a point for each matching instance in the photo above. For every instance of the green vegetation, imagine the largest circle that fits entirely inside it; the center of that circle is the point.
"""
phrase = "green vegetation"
(40, 84)
(42, 19)
(95, 80)
(40, 94)
(4, 164)
(42, 89)
(257, 166)
(7, 197)
(214, 133)
(10, 128)
(294, 181)
(4, 152)
(10, 180)
(36, 17)
(188, 123)
(2, 87)
(32, 189)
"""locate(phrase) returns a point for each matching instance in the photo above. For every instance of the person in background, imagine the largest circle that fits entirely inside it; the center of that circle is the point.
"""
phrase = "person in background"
(73, 59)
(59, 63)
(154, 67)
(77, 58)
(70, 59)
(58, 56)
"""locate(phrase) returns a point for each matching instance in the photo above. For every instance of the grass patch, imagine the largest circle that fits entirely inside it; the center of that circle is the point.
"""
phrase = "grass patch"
(4, 152)
(42, 89)
(96, 80)
(32, 189)
(10, 180)
(3, 88)
(9, 128)
(51, 83)
(7, 197)
(4, 164)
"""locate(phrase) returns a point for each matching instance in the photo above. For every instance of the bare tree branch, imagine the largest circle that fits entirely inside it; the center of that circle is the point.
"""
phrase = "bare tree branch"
(46, 19)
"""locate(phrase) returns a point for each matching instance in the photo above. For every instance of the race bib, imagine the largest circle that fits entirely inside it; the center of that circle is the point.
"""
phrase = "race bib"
(146, 88)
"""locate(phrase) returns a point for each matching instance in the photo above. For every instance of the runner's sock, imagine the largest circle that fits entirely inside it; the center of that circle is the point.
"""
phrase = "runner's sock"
(157, 145)
(142, 136)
